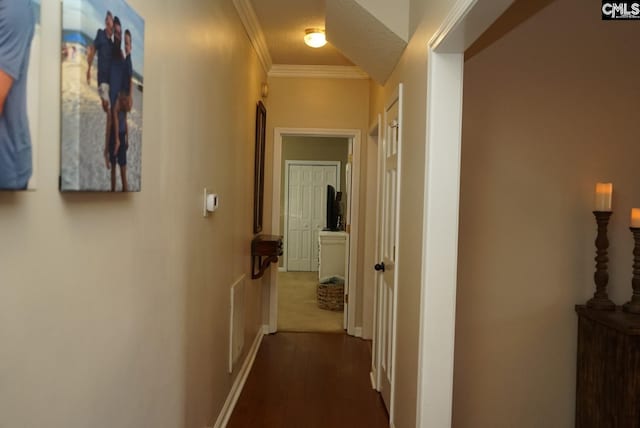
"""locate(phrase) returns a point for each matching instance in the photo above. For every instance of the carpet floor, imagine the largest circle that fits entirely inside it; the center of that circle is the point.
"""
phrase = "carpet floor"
(298, 306)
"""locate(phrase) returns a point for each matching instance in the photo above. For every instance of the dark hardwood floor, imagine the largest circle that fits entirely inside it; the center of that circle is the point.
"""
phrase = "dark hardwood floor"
(310, 380)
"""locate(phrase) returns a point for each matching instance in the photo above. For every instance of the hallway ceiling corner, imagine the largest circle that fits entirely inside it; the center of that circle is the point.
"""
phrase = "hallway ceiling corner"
(363, 38)
(283, 23)
(363, 35)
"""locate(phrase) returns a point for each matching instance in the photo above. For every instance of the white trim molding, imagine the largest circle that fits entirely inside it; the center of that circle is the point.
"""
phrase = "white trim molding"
(456, 15)
(318, 71)
(254, 31)
(372, 378)
(463, 25)
(238, 384)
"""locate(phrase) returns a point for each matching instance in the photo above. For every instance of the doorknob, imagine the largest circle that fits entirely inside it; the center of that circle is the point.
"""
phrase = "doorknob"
(379, 266)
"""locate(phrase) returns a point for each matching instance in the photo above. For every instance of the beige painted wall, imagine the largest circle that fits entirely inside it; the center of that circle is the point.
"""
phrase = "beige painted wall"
(114, 308)
(319, 103)
(548, 112)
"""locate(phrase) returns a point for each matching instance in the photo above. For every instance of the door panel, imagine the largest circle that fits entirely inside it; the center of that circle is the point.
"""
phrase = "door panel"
(306, 212)
(387, 227)
(297, 252)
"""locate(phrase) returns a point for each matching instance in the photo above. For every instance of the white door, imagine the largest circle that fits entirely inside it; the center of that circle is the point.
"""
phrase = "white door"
(322, 176)
(299, 215)
(387, 229)
(377, 282)
(306, 204)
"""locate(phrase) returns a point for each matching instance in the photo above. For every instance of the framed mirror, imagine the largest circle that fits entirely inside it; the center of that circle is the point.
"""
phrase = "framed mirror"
(258, 188)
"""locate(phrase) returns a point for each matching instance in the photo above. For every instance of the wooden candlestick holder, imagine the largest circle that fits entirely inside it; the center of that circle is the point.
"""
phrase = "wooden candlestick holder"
(600, 300)
(633, 305)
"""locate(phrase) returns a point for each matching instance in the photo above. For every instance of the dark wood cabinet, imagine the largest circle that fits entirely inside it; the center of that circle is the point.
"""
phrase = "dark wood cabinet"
(608, 369)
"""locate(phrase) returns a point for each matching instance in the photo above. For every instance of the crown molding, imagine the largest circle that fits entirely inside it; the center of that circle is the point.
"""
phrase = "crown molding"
(318, 71)
(254, 31)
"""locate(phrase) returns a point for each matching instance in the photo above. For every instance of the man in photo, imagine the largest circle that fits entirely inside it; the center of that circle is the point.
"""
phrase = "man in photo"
(118, 76)
(125, 99)
(103, 46)
(17, 25)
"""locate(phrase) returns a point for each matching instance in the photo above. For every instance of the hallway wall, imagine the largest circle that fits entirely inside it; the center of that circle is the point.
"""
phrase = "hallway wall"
(411, 70)
(320, 103)
(548, 112)
(576, 151)
(114, 307)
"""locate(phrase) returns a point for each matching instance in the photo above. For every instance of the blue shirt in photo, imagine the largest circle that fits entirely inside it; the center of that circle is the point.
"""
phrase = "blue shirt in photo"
(116, 83)
(104, 50)
(17, 24)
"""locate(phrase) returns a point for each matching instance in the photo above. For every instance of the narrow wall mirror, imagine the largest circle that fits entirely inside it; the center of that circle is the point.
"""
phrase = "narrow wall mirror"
(258, 188)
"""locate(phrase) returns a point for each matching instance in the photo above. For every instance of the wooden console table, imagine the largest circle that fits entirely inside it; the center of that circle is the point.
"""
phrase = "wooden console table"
(265, 249)
(608, 369)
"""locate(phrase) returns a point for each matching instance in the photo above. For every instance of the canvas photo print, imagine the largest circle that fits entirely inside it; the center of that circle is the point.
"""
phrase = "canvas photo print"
(19, 77)
(102, 85)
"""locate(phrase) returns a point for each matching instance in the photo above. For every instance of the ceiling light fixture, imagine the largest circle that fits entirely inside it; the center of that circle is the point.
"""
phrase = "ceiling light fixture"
(314, 37)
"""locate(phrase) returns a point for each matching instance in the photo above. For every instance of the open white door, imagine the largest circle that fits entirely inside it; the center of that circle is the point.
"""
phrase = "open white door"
(377, 133)
(387, 229)
(299, 218)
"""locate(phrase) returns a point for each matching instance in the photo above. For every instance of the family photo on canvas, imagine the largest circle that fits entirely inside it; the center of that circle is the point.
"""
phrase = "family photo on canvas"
(101, 96)
(115, 73)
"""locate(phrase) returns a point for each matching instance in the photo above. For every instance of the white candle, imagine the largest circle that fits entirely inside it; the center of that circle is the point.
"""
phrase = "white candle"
(635, 217)
(603, 196)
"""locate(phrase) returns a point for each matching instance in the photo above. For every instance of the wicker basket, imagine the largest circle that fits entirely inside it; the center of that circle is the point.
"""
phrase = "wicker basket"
(331, 297)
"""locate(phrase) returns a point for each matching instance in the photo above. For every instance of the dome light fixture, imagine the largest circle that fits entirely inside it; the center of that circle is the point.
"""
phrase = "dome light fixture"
(314, 37)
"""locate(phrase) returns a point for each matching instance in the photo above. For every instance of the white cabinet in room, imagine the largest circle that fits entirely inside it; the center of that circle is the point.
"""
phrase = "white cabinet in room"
(333, 254)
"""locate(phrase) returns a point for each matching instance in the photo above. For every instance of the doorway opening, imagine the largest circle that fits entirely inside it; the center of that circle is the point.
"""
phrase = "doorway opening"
(311, 168)
(467, 20)
(313, 190)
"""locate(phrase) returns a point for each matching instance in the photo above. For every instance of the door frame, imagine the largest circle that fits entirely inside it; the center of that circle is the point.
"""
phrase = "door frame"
(287, 164)
(354, 135)
(466, 21)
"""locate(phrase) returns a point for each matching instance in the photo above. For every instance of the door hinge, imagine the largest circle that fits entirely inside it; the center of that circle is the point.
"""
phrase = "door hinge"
(347, 228)
(346, 299)
(350, 158)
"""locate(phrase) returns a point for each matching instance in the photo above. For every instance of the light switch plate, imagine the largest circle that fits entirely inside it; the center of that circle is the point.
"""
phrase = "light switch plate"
(205, 213)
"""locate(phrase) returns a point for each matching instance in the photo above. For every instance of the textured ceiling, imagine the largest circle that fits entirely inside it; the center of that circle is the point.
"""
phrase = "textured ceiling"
(283, 23)
(363, 38)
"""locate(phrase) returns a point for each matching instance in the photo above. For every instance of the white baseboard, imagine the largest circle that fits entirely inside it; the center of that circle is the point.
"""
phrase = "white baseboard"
(357, 332)
(282, 269)
(238, 384)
